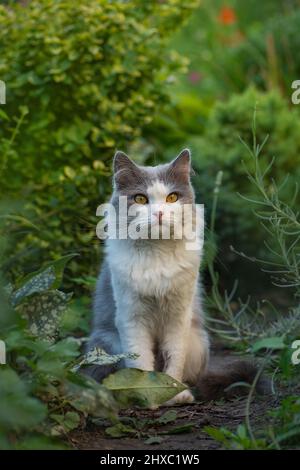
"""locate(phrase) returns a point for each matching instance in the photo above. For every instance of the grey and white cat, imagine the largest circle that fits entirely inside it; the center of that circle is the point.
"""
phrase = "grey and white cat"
(148, 295)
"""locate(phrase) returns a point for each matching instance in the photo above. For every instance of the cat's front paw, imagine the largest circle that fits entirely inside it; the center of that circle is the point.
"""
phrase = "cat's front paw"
(183, 397)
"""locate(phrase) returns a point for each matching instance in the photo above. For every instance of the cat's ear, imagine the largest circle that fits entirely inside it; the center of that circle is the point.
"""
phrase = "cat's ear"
(126, 172)
(122, 161)
(182, 164)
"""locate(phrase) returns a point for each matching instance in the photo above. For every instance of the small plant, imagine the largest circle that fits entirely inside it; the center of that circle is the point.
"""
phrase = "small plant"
(259, 330)
(43, 395)
(281, 222)
(282, 430)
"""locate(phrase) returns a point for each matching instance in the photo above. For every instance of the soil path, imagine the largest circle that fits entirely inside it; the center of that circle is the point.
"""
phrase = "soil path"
(229, 414)
(184, 432)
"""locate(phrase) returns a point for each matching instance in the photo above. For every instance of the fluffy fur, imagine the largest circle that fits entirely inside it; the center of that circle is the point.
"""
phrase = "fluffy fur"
(148, 298)
(148, 295)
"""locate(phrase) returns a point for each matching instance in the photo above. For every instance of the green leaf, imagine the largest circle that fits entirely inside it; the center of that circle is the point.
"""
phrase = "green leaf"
(66, 423)
(44, 311)
(99, 357)
(49, 276)
(219, 434)
(146, 389)
(20, 410)
(167, 417)
(93, 399)
(38, 283)
(40, 442)
(188, 427)
(154, 440)
(120, 430)
(269, 343)
(3, 115)
(20, 219)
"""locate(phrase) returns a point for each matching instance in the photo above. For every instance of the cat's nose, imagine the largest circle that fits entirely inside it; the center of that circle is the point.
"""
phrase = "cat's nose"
(159, 215)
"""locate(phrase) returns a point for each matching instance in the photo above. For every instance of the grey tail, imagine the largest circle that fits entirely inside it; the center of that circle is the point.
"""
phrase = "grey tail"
(231, 380)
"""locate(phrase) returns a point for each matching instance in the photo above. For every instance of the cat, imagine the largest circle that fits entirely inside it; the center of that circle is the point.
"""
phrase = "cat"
(148, 294)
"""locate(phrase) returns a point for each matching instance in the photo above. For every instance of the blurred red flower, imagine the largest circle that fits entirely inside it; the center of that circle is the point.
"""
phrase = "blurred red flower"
(194, 77)
(227, 15)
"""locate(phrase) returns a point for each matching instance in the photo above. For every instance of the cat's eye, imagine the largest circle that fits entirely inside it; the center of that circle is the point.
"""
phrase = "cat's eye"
(140, 199)
(173, 197)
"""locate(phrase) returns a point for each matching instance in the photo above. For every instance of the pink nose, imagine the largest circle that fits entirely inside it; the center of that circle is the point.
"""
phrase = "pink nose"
(159, 215)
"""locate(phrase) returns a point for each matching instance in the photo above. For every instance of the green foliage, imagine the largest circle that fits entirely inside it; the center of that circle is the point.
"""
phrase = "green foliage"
(220, 148)
(147, 389)
(273, 331)
(20, 411)
(98, 356)
(43, 395)
(83, 79)
(285, 429)
(234, 44)
(89, 77)
(281, 222)
(149, 428)
(282, 432)
(239, 440)
(40, 393)
(273, 343)
(266, 58)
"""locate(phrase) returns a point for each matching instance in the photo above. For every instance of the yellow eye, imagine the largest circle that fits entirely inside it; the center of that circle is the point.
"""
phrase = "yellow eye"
(172, 197)
(140, 199)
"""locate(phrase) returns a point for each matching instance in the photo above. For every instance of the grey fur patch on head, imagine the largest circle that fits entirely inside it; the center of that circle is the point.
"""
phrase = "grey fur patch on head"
(130, 178)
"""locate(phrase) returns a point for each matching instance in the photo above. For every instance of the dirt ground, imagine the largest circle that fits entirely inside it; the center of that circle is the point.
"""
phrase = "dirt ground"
(229, 414)
(185, 432)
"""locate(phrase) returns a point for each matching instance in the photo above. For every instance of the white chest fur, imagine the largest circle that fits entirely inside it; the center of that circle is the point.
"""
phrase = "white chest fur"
(151, 268)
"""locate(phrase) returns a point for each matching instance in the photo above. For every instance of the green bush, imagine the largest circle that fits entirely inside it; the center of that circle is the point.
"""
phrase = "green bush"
(220, 149)
(91, 75)
(234, 44)
(229, 121)
(42, 397)
(269, 57)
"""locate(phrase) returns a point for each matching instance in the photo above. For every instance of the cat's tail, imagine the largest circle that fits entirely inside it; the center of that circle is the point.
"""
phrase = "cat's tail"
(229, 378)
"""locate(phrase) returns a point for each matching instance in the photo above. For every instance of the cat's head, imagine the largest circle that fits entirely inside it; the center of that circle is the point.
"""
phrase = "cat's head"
(155, 194)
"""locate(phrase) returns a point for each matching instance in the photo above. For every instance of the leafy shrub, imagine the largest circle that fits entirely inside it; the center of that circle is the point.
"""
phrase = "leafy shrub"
(282, 431)
(234, 44)
(268, 58)
(280, 221)
(43, 397)
(91, 75)
(220, 149)
(266, 330)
